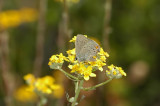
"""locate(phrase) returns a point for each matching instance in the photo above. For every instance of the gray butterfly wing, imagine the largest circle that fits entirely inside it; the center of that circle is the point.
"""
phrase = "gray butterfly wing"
(90, 49)
(81, 40)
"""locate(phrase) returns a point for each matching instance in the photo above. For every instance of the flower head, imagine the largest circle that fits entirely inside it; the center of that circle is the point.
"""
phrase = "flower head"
(102, 53)
(30, 79)
(13, 18)
(45, 84)
(87, 71)
(115, 72)
(56, 61)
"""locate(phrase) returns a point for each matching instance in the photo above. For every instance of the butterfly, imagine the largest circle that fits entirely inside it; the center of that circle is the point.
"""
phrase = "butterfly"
(85, 48)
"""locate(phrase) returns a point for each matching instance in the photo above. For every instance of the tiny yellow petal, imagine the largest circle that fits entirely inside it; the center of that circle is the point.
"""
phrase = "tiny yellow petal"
(73, 39)
(86, 78)
(70, 66)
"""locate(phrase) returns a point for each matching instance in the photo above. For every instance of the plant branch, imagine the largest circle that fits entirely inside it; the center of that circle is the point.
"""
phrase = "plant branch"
(40, 37)
(107, 29)
(69, 75)
(77, 92)
(98, 85)
(64, 33)
(7, 76)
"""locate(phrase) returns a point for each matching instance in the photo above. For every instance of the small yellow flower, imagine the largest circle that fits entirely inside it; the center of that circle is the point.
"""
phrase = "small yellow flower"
(73, 39)
(49, 63)
(71, 58)
(100, 65)
(103, 58)
(88, 72)
(108, 73)
(62, 57)
(121, 71)
(46, 84)
(93, 63)
(53, 58)
(115, 72)
(30, 79)
(103, 53)
(111, 67)
(74, 68)
(71, 52)
(57, 59)
(81, 68)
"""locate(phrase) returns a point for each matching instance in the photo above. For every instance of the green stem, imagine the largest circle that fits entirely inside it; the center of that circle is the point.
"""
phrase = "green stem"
(43, 100)
(77, 93)
(69, 75)
(98, 85)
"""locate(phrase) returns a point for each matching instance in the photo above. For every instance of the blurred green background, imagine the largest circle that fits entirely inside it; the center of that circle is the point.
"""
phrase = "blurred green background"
(134, 44)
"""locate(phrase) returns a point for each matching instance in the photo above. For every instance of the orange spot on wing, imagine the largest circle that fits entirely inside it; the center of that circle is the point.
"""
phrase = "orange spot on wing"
(96, 47)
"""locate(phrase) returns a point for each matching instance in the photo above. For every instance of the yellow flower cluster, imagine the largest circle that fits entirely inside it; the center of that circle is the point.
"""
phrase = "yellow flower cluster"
(71, 56)
(115, 72)
(57, 59)
(86, 68)
(13, 18)
(44, 85)
(83, 69)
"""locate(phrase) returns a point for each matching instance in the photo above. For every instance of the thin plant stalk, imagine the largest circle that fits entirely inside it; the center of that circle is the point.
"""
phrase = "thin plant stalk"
(69, 75)
(7, 76)
(77, 92)
(1, 5)
(62, 42)
(40, 37)
(64, 32)
(98, 85)
(107, 29)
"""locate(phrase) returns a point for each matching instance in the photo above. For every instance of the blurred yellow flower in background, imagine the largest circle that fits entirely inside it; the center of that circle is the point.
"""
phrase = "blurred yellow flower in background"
(13, 18)
(28, 14)
(46, 84)
(58, 93)
(30, 79)
(24, 94)
(38, 86)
